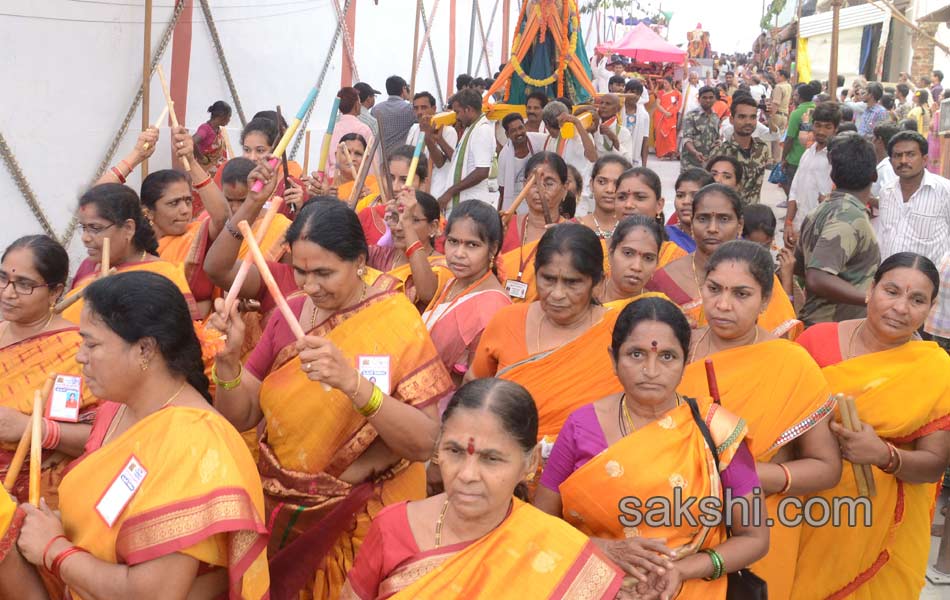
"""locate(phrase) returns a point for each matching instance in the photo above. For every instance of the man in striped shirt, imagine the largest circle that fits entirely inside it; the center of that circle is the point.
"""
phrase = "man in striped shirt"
(915, 208)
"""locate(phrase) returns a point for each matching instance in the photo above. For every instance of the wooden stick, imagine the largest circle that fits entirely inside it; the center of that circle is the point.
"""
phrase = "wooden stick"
(518, 200)
(20, 455)
(856, 423)
(414, 163)
(104, 269)
(349, 161)
(158, 124)
(245, 267)
(104, 261)
(544, 204)
(36, 448)
(171, 108)
(711, 381)
(365, 166)
(306, 153)
(849, 425)
(227, 143)
(327, 136)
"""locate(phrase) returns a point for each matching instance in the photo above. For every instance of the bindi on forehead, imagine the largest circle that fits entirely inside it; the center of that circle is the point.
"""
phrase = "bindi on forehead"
(471, 446)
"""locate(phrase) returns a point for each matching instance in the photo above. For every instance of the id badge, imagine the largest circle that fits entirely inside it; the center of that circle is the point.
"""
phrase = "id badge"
(375, 369)
(121, 491)
(66, 399)
(516, 289)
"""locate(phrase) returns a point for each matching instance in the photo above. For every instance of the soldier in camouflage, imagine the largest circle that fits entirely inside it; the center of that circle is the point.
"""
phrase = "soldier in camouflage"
(752, 153)
(837, 253)
(700, 131)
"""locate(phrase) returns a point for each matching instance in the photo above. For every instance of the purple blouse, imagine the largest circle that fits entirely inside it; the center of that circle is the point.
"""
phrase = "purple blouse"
(582, 438)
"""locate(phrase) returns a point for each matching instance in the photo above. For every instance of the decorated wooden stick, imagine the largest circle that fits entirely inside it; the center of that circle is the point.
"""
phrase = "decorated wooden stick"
(158, 124)
(306, 153)
(859, 477)
(852, 409)
(20, 455)
(711, 381)
(327, 136)
(544, 203)
(518, 200)
(414, 163)
(36, 448)
(288, 135)
(170, 104)
(245, 267)
(365, 166)
(349, 161)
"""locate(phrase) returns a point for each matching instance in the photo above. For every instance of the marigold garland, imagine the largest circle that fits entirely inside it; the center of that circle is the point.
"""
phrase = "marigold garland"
(562, 64)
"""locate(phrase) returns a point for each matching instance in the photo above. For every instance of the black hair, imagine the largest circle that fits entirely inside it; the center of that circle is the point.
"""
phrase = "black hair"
(694, 175)
(220, 109)
(468, 98)
(427, 96)
(806, 92)
(609, 159)
(349, 99)
(921, 96)
(847, 113)
(138, 304)
(633, 222)
(236, 171)
(575, 174)
(907, 125)
(510, 403)
(539, 96)
(707, 89)
(263, 125)
(50, 259)
(568, 206)
(117, 204)
(406, 152)
(911, 260)
(648, 176)
(353, 137)
(577, 241)
(783, 73)
(885, 131)
(736, 165)
(827, 112)
(757, 259)
(429, 205)
(903, 89)
(839, 80)
(463, 81)
(875, 90)
(617, 79)
(723, 190)
(846, 127)
(332, 225)
(566, 102)
(395, 85)
(153, 186)
(634, 86)
(938, 74)
(487, 224)
(742, 100)
(551, 159)
(509, 119)
(887, 101)
(758, 217)
(646, 310)
(853, 162)
(908, 136)
(272, 116)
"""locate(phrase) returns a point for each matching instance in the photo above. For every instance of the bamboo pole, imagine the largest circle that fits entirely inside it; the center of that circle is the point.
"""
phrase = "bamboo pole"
(158, 124)
(906, 21)
(245, 267)
(415, 46)
(505, 39)
(849, 424)
(471, 37)
(36, 448)
(16, 465)
(369, 160)
(306, 153)
(451, 66)
(856, 424)
(146, 74)
(833, 67)
(510, 213)
(171, 108)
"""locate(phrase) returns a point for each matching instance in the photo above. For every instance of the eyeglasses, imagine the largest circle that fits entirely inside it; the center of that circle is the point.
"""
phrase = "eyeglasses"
(21, 286)
(393, 218)
(95, 230)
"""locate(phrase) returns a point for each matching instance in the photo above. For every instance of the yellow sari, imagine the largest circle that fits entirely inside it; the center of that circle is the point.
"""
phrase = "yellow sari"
(651, 462)
(669, 251)
(777, 388)
(345, 190)
(308, 445)
(177, 249)
(404, 274)
(201, 497)
(25, 366)
(11, 518)
(272, 245)
(904, 393)
(529, 555)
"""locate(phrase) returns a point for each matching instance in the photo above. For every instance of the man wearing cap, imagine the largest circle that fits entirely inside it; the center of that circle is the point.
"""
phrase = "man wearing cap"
(395, 114)
(367, 101)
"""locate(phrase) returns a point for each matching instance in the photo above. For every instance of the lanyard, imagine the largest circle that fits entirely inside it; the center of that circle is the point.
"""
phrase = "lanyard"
(523, 262)
(445, 293)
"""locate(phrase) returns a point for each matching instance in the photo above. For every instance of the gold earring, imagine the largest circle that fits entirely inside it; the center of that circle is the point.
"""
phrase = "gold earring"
(144, 364)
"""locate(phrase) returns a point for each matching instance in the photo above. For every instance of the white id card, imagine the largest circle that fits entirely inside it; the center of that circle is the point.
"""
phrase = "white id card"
(66, 399)
(375, 369)
(516, 289)
(120, 493)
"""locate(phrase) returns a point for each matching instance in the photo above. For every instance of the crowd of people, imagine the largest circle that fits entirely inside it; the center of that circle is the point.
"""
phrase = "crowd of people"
(476, 371)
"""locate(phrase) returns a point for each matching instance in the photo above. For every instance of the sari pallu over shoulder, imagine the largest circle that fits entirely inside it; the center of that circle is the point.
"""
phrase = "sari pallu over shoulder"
(904, 393)
(667, 457)
(530, 555)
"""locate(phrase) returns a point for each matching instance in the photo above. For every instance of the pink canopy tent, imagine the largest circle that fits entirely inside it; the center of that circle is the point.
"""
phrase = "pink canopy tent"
(642, 44)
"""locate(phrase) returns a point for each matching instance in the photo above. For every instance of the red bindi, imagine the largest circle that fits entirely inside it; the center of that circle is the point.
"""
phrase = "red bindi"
(471, 446)
(654, 345)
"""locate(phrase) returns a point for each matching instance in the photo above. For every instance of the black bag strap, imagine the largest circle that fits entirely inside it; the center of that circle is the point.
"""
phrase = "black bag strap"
(707, 435)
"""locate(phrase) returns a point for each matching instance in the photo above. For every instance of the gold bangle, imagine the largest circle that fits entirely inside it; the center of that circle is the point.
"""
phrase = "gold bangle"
(359, 382)
(788, 479)
(372, 407)
(226, 385)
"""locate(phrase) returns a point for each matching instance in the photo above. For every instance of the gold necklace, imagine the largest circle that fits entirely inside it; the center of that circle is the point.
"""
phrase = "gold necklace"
(438, 524)
(854, 334)
(626, 411)
(709, 345)
(120, 415)
(692, 263)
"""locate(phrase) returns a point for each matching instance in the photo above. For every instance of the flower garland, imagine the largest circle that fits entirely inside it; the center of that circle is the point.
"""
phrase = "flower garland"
(572, 44)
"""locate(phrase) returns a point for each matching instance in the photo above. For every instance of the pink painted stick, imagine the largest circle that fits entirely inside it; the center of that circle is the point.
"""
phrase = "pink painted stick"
(238, 283)
(268, 277)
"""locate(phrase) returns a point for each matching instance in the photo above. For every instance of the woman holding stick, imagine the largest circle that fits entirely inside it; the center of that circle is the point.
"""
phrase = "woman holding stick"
(166, 501)
(359, 440)
(647, 441)
(901, 387)
(210, 149)
(632, 259)
(480, 536)
(113, 211)
(372, 208)
(35, 343)
(717, 219)
(774, 385)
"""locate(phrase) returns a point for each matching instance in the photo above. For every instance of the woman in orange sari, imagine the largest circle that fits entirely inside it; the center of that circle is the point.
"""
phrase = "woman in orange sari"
(371, 378)
(774, 385)
(717, 219)
(476, 539)
(640, 192)
(664, 119)
(901, 387)
(111, 210)
(36, 343)
(18, 578)
(616, 457)
(524, 231)
(632, 259)
(165, 502)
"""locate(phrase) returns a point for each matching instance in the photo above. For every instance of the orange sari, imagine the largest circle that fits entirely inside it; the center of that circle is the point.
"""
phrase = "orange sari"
(25, 366)
(777, 388)
(518, 265)
(665, 126)
(650, 462)
(346, 189)
(308, 445)
(201, 496)
(904, 394)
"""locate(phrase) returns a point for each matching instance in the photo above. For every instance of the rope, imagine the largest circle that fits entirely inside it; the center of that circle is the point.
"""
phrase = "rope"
(213, 30)
(435, 71)
(24, 186)
(323, 73)
(110, 153)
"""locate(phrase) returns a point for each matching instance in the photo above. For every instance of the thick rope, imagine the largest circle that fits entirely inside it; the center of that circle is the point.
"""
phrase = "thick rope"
(24, 186)
(213, 30)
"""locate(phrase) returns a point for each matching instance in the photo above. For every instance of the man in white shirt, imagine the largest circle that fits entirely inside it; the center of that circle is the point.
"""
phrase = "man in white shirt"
(511, 160)
(885, 172)
(533, 106)
(423, 104)
(690, 94)
(612, 136)
(915, 208)
(473, 154)
(636, 120)
(813, 176)
(579, 151)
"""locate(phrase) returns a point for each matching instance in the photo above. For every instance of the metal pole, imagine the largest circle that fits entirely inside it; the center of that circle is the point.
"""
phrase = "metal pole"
(146, 74)
(833, 68)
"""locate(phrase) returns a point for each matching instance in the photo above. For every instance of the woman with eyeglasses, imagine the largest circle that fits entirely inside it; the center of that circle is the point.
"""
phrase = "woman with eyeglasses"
(36, 343)
(113, 211)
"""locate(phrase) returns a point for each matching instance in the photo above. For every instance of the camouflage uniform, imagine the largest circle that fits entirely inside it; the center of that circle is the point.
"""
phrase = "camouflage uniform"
(753, 166)
(837, 238)
(703, 130)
